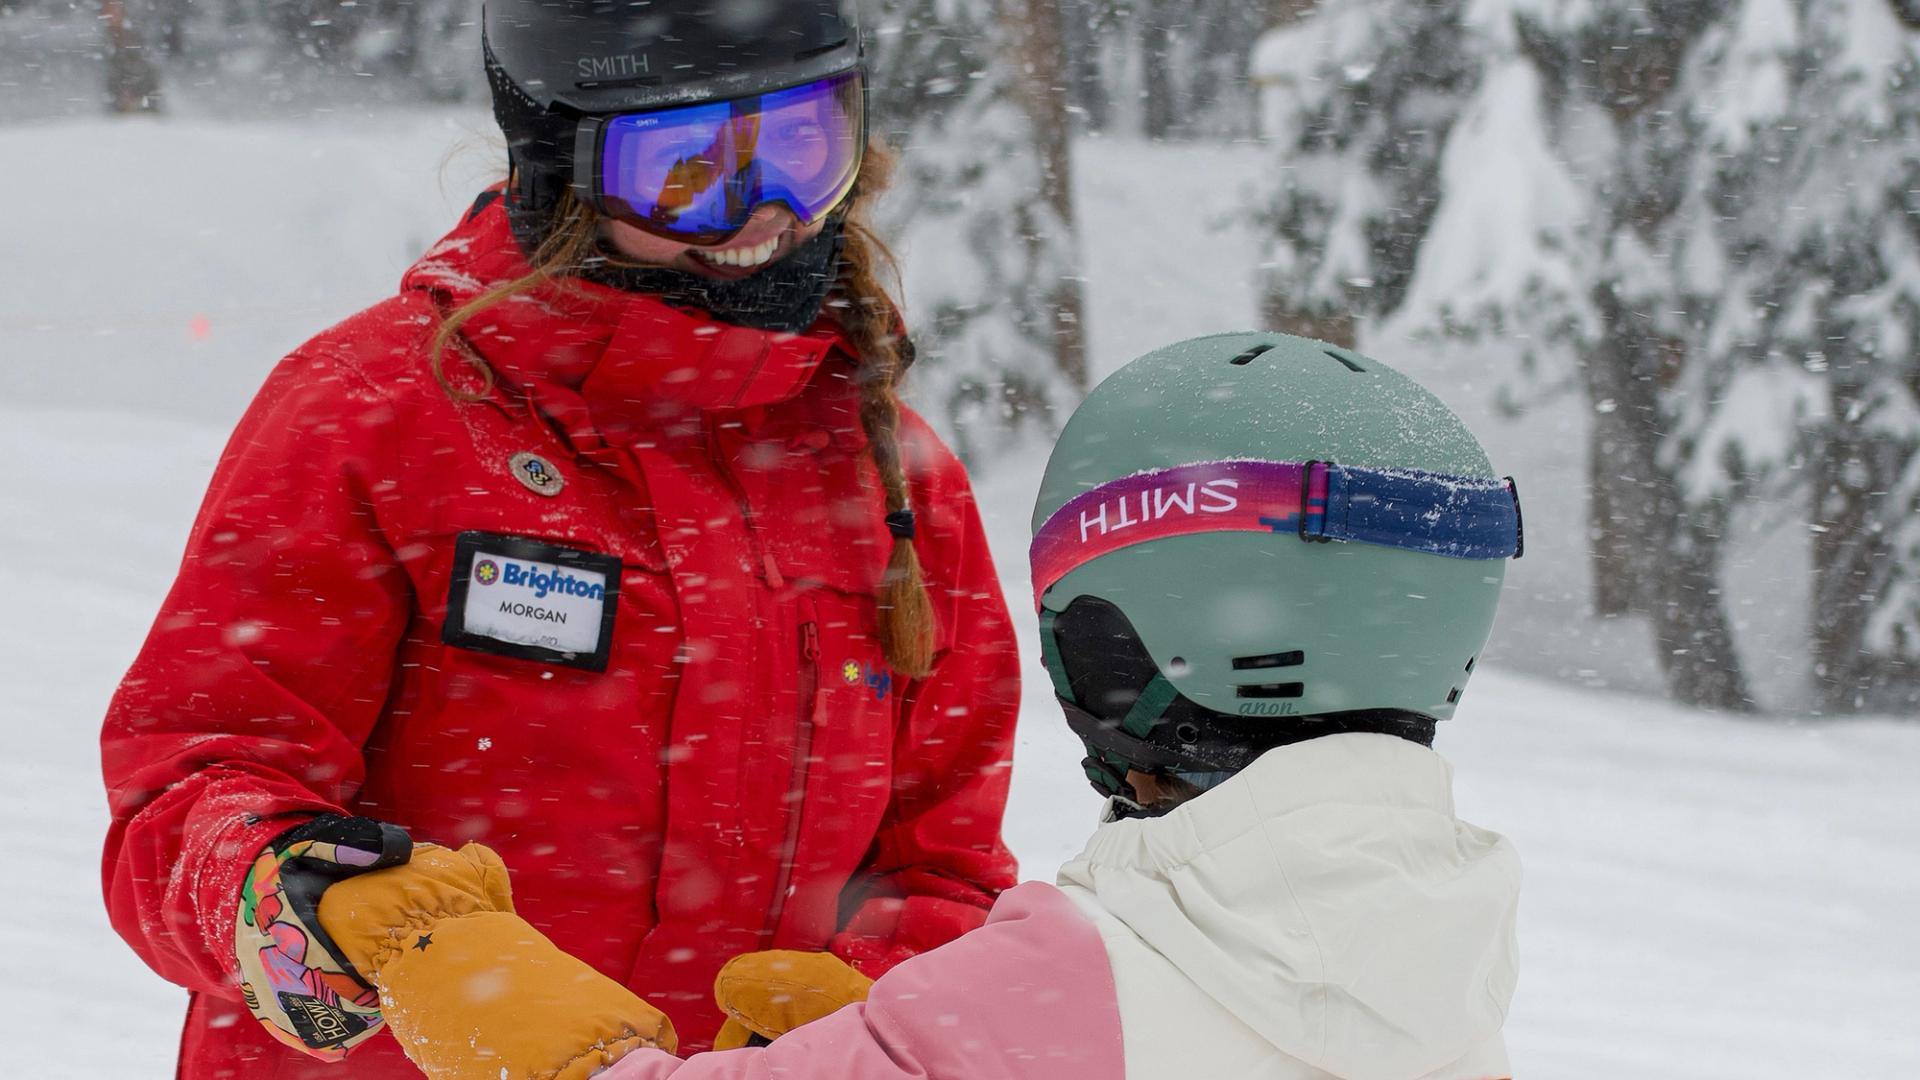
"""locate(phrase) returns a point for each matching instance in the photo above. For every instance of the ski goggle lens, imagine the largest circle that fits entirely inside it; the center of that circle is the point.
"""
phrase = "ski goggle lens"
(698, 172)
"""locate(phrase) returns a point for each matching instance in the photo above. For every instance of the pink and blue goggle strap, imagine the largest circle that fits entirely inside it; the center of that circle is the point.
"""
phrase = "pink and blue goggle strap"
(1459, 517)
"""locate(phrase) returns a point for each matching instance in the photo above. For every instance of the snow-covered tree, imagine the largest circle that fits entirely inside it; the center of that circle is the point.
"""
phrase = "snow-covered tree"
(982, 211)
(1163, 68)
(1357, 101)
(1636, 94)
(1817, 206)
(1702, 215)
(1522, 169)
(414, 47)
(1755, 313)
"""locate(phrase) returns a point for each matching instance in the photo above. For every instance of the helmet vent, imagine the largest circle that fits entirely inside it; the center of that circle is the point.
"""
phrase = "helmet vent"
(1270, 660)
(1470, 661)
(1345, 359)
(1453, 696)
(1271, 690)
(1248, 357)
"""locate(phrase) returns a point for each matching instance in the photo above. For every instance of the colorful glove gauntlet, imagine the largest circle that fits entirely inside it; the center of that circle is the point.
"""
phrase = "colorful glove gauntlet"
(430, 945)
(293, 976)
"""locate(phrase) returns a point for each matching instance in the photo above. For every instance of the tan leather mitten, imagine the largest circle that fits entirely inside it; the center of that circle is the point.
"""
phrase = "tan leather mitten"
(770, 993)
(471, 990)
(368, 916)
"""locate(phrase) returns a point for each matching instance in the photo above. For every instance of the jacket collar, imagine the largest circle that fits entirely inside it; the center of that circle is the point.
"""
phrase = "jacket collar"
(1355, 769)
(1328, 898)
(627, 358)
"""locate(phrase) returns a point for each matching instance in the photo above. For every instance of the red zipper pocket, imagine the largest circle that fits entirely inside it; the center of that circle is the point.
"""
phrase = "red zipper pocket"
(808, 691)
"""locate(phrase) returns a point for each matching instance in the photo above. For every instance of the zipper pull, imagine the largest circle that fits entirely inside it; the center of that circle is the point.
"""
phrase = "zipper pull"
(771, 570)
(810, 641)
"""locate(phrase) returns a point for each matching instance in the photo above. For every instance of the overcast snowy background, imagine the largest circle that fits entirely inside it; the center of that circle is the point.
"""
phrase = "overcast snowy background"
(1707, 895)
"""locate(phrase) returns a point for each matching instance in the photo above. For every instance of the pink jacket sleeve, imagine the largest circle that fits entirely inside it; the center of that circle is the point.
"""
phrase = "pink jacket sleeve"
(1027, 996)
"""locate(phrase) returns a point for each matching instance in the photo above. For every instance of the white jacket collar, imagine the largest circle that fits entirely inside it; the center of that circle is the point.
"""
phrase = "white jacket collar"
(1329, 899)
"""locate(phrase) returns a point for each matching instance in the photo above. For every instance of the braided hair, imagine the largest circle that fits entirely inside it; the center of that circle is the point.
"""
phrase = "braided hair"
(870, 319)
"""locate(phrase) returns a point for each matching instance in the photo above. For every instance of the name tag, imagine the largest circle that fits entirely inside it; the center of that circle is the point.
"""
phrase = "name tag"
(512, 596)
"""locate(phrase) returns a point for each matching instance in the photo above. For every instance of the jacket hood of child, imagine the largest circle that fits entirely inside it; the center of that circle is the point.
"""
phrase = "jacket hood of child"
(1328, 899)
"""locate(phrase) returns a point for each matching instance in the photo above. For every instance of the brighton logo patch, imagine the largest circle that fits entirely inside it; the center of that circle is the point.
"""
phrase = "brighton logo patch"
(877, 679)
(514, 596)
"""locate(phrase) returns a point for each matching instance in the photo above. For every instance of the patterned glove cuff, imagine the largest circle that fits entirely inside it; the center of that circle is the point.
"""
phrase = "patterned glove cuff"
(293, 978)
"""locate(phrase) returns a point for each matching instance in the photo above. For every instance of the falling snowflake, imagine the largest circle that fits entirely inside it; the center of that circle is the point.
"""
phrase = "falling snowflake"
(486, 743)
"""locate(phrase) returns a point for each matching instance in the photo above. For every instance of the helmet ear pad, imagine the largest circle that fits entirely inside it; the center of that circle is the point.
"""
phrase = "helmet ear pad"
(1108, 670)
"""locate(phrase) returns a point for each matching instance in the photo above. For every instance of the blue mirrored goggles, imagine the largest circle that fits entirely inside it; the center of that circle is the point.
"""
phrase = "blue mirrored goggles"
(696, 173)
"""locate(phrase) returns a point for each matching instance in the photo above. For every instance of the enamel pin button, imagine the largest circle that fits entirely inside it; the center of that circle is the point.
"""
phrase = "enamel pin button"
(536, 473)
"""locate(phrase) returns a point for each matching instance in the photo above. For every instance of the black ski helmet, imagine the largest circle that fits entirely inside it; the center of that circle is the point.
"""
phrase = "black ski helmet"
(551, 62)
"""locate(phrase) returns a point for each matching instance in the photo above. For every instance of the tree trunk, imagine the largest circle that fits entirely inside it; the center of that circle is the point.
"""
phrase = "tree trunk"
(172, 30)
(1043, 90)
(1690, 626)
(1277, 314)
(1276, 311)
(1609, 556)
(133, 85)
(1652, 553)
(1622, 464)
(1854, 565)
(1156, 68)
(1084, 32)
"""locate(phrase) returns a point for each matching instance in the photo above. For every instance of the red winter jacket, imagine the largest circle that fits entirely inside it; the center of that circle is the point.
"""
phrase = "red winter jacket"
(745, 773)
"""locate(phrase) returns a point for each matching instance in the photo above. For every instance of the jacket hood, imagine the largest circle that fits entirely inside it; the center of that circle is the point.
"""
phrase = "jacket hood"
(625, 353)
(1328, 898)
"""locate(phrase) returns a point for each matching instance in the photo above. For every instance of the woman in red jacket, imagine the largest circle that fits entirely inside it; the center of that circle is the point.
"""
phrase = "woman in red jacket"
(605, 542)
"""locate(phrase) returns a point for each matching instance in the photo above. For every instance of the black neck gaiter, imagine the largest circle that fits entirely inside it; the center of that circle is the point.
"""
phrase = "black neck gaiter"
(786, 296)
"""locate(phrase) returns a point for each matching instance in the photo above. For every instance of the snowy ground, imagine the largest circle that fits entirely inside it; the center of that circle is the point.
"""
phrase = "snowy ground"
(1706, 897)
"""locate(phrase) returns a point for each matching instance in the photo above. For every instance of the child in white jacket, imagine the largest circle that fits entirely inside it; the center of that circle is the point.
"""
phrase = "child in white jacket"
(1264, 568)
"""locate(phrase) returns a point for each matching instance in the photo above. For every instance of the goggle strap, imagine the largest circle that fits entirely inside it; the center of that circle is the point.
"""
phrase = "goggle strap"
(1462, 517)
(586, 161)
(1426, 512)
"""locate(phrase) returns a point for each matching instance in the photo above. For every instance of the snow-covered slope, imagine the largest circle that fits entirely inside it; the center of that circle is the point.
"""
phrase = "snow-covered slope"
(1706, 897)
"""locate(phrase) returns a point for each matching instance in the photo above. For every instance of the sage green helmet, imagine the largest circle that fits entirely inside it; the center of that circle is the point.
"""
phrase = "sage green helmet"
(1249, 539)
